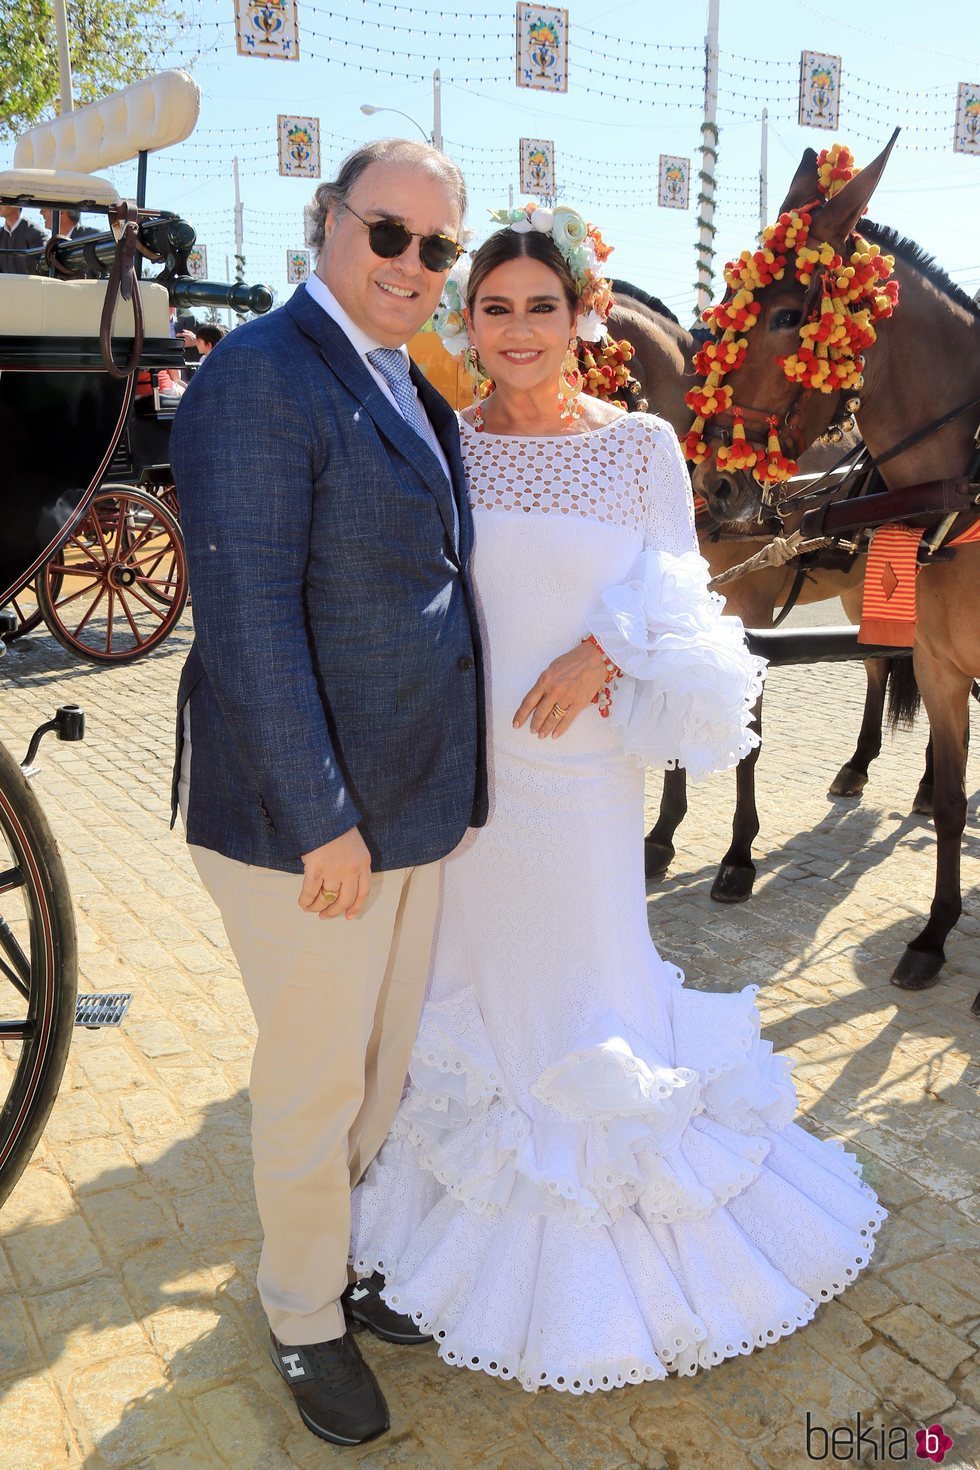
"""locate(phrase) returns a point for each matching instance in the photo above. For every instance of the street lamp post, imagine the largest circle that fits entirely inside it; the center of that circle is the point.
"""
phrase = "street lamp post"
(435, 137)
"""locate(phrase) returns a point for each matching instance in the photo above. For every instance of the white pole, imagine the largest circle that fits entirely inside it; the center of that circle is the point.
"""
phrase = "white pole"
(764, 173)
(709, 159)
(228, 309)
(239, 232)
(437, 110)
(65, 102)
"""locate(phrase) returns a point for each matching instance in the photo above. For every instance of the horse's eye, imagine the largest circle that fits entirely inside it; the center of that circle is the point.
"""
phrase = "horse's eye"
(789, 317)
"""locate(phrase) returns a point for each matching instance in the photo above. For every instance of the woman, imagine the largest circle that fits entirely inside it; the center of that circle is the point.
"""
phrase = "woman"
(593, 1178)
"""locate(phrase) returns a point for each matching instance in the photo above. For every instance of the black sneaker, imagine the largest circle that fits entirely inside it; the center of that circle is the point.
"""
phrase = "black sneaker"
(336, 1393)
(362, 1304)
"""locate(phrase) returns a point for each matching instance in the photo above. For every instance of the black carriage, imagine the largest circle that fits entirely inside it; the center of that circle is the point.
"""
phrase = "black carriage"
(91, 540)
(99, 558)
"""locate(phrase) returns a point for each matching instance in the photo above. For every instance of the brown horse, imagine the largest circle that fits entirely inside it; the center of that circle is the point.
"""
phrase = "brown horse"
(663, 368)
(918, 415)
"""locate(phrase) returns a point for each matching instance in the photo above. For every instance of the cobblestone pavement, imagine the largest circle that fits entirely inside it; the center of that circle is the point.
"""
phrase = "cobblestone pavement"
(130, 1332)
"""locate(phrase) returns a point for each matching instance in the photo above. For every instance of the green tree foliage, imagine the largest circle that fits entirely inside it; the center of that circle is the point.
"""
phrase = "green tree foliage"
(113, 42)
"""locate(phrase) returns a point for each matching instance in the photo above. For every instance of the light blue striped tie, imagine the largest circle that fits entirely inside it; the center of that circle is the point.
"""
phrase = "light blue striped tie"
(392, 366)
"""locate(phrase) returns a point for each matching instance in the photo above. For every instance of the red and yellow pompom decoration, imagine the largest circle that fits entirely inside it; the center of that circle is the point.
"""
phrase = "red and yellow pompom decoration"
(853, 296)
(605, 367)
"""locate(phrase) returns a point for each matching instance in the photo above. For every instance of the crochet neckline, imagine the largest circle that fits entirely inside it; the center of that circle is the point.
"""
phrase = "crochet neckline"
(546, 438)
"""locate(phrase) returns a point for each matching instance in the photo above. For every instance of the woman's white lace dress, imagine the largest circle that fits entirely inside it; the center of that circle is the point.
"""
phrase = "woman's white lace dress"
(594, 1177)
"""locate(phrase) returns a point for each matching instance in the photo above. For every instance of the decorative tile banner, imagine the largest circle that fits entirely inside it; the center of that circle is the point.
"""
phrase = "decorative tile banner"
(966, 137)
(538, 167)
(267, 28)
(197, 263)
(674, 189)
(542, 48)
(298, 266)
(299, 147)
(819, 90)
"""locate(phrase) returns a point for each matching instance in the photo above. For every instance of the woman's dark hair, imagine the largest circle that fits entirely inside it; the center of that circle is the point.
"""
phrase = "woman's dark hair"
(508, 244)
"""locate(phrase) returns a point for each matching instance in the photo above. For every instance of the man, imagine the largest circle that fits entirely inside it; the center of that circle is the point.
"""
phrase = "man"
(69, 224)
(333, 699)
(16, 233)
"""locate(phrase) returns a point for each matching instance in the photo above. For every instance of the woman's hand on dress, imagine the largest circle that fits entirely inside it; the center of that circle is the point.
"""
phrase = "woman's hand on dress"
(571, 682)
(337, 877)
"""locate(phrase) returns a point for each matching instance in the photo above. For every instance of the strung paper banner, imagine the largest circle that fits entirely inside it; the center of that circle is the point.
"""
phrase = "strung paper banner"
(538, 167)
(298, 266)
(675, 182)
(267, 28)
(819, 90)
(299, 147)
(197, 263)
(966, 138)
(542, 48)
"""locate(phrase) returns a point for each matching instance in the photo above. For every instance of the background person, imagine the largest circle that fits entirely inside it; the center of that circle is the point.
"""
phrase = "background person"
(16, 233)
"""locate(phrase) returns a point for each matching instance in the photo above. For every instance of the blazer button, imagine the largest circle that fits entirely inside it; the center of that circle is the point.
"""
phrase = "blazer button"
(465, 663)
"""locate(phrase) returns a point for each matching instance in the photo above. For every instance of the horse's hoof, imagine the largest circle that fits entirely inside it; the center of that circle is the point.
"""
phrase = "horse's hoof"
(922, 805)
(848, 782)
(733, 885)
(657, 858)
(918, 969)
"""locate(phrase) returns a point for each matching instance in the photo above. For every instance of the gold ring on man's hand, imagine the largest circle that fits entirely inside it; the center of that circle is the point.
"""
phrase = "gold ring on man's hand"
(558, 712)
(330, 896)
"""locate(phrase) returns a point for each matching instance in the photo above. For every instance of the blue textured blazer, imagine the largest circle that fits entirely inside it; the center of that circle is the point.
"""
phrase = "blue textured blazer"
(335, 678)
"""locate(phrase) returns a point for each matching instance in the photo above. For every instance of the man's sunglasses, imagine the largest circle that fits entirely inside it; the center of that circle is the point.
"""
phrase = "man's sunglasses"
(388, 238)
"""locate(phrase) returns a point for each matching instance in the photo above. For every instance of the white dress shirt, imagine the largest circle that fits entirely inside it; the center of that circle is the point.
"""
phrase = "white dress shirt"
(362, 345)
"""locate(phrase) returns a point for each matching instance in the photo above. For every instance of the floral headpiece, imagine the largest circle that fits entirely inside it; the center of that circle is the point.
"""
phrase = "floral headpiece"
(829, 358)
(581, 247)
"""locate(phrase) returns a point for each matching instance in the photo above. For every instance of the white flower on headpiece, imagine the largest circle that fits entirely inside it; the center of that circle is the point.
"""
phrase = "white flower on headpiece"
(589, 327)
(542, 219)
(522, 226)
(448, 315)
(568, 228)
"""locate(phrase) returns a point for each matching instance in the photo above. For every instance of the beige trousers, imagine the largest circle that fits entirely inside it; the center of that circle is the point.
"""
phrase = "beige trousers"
(337, 1005)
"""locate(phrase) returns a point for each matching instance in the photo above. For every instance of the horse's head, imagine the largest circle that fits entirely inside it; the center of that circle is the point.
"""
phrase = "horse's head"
(777, 415)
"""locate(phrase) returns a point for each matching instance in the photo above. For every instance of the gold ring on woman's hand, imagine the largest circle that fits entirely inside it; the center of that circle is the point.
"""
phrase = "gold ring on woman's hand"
(558, 712)
(329, 895)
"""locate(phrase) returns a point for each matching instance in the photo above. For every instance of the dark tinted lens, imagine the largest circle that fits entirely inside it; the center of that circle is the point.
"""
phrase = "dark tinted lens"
(388, 238)
(438, 252)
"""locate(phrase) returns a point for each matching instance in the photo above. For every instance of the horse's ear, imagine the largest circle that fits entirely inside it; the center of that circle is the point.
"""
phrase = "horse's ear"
(805, 183)
(837, 218)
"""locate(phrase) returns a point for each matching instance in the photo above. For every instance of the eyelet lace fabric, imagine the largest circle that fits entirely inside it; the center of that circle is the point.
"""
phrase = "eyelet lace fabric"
(594, 1178)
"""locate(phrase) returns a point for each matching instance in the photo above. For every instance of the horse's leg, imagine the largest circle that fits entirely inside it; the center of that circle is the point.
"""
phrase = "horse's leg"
(852, 777)
(736, 874)
(922, 805)
(946, 692)
(658, 848)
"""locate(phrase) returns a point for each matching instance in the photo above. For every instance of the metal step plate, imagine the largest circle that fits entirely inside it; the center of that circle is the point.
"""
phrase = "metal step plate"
(93, 1011)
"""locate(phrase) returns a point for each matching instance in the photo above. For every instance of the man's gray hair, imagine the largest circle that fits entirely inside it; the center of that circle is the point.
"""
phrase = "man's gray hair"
(335, 193)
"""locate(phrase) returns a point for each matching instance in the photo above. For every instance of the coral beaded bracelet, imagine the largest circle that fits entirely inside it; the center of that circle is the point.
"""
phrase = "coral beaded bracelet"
(613, 673)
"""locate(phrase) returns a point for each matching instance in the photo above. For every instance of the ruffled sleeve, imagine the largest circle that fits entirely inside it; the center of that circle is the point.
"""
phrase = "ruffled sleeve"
(689, 682)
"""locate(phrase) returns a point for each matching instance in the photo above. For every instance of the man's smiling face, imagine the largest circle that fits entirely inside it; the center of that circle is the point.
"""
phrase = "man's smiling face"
(388, 299)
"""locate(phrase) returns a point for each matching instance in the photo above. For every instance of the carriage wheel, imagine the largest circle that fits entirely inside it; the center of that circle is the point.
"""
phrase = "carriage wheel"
(168, 495)
(28, 616)
(118, 584)
(38, 971)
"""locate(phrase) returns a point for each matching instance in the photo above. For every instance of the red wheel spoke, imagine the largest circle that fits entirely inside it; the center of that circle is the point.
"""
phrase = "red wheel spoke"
(123, 593)
(61, 602)
(102, 592)
(124, 604)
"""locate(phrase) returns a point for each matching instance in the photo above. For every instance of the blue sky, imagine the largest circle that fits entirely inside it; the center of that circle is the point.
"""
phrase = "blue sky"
(635, 90)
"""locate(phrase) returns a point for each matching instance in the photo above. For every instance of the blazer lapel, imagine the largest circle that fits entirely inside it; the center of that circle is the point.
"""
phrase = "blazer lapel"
(346, 364)
(443, 419)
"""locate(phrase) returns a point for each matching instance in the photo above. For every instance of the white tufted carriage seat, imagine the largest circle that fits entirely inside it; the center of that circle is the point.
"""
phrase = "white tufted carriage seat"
(154, 113)
(40, 306)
